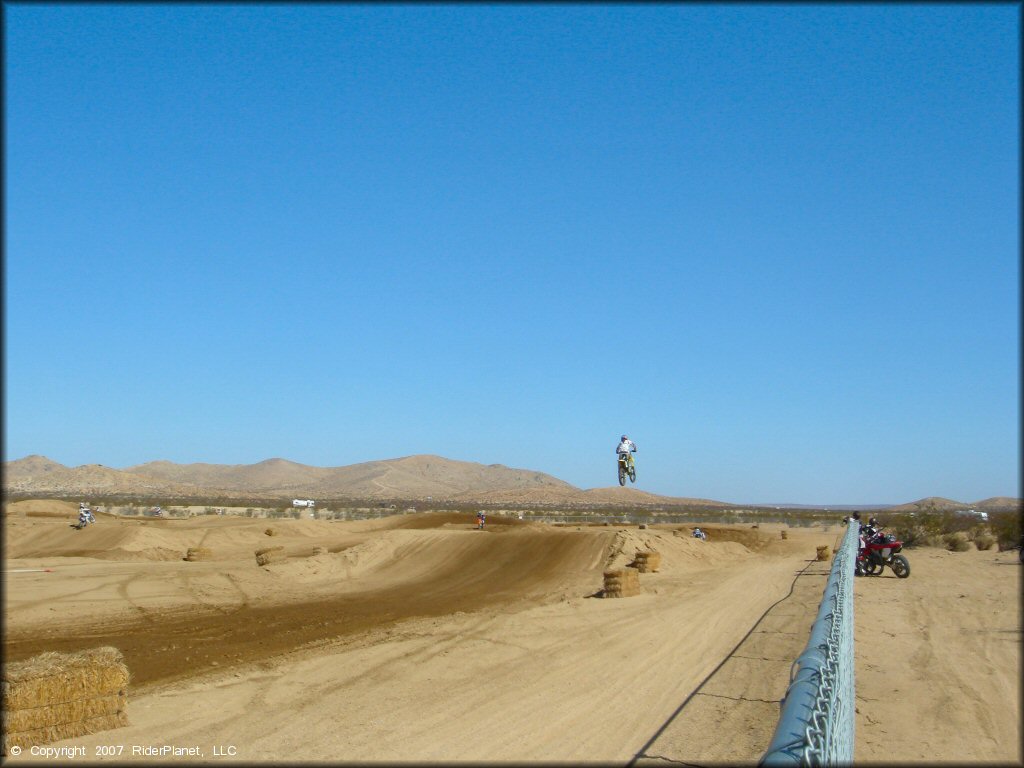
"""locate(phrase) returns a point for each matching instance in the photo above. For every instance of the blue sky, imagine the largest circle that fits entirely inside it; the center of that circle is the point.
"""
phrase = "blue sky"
(779, 246)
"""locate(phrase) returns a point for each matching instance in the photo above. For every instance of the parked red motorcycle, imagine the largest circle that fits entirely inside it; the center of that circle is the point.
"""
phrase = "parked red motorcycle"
(878, 550)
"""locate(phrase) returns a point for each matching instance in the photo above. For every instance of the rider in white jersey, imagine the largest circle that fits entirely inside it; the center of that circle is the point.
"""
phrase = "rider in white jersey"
(627, 447)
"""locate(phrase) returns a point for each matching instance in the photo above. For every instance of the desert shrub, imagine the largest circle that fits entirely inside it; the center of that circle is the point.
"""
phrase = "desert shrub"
(957, 541)
(1006, 527)
(984, 541)
(917, 536)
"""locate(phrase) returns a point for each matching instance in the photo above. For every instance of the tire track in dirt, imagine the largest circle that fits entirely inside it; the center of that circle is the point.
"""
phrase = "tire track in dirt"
(459, 573)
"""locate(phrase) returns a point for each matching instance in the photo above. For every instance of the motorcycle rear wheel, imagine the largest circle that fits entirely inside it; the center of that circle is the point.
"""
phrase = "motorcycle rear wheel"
(622, 475)
(900, 566)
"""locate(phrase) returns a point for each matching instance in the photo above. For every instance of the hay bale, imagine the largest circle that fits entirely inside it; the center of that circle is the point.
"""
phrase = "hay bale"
(643, 526)
(37, 718)
(622, 582)
(319, 550)
(269, 555)
(824, 553)
(783, 534)
(647, 562)
(270, 532)
(198, 553)
(55, 696)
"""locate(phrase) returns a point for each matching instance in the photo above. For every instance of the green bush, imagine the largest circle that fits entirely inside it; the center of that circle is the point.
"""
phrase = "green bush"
(984, 541)
(957, 541)
(917, 536)
(1006, 526)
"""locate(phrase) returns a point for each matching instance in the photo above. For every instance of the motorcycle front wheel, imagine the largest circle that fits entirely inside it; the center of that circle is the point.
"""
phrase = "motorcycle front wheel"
(900, 566)
(632, 474)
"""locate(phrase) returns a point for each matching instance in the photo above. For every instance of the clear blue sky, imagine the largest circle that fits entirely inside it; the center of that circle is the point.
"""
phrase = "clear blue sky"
(778, 246)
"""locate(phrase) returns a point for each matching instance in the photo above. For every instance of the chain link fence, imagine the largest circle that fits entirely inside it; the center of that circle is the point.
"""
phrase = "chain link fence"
(817, 719)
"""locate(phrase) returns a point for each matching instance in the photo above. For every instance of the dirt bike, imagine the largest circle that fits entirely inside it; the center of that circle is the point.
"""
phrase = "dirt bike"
(84, 518)
(627, 468)
(879, 551)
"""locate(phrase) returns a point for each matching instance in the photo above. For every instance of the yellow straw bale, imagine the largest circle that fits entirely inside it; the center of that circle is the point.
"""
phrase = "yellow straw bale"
(319, 550)
(55, 678)
(37, 736)
(621, 582)
(783, 534)
(647, 562)
(198, 553)
(270, 532)
(32, 718)
(55, 696)
(824, 552)
(269, 555)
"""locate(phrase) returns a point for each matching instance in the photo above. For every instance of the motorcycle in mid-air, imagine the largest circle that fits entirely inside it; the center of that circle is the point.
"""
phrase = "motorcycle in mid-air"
(879, 550)
(627, 468)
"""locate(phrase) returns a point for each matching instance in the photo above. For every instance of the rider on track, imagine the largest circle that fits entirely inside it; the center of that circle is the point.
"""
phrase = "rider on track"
(627, 447)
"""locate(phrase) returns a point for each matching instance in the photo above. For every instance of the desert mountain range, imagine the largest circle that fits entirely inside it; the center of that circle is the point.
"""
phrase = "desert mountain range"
(407, 478)
(411, 477)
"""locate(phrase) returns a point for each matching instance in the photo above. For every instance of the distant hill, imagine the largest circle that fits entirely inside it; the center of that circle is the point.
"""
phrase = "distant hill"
(997, 502)
(410, 477)
(37, 474)
(932, 503)
(939, 504)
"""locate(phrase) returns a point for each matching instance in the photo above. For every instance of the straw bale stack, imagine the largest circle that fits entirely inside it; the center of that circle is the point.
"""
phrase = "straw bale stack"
(647, 562)
(783, 534)
(270, 532)
(269, 555)
(824, 553)
(319, 550)
(621, 582)
(55, 696)
(198, 553)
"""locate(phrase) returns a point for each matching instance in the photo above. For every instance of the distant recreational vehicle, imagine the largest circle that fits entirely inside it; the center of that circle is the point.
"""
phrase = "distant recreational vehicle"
(303, 503)
(973, 513)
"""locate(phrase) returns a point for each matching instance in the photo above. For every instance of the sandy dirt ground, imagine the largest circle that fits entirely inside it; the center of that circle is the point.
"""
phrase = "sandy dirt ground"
(418, 638)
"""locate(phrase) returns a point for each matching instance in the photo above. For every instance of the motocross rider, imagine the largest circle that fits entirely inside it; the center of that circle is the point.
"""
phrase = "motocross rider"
(626, 446)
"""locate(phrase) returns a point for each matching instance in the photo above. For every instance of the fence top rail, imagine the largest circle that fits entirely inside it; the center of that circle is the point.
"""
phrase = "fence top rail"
(791, 739)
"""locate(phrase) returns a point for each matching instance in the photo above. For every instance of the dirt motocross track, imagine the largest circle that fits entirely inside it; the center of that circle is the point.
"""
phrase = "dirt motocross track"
(425, 578)
(418, 638)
